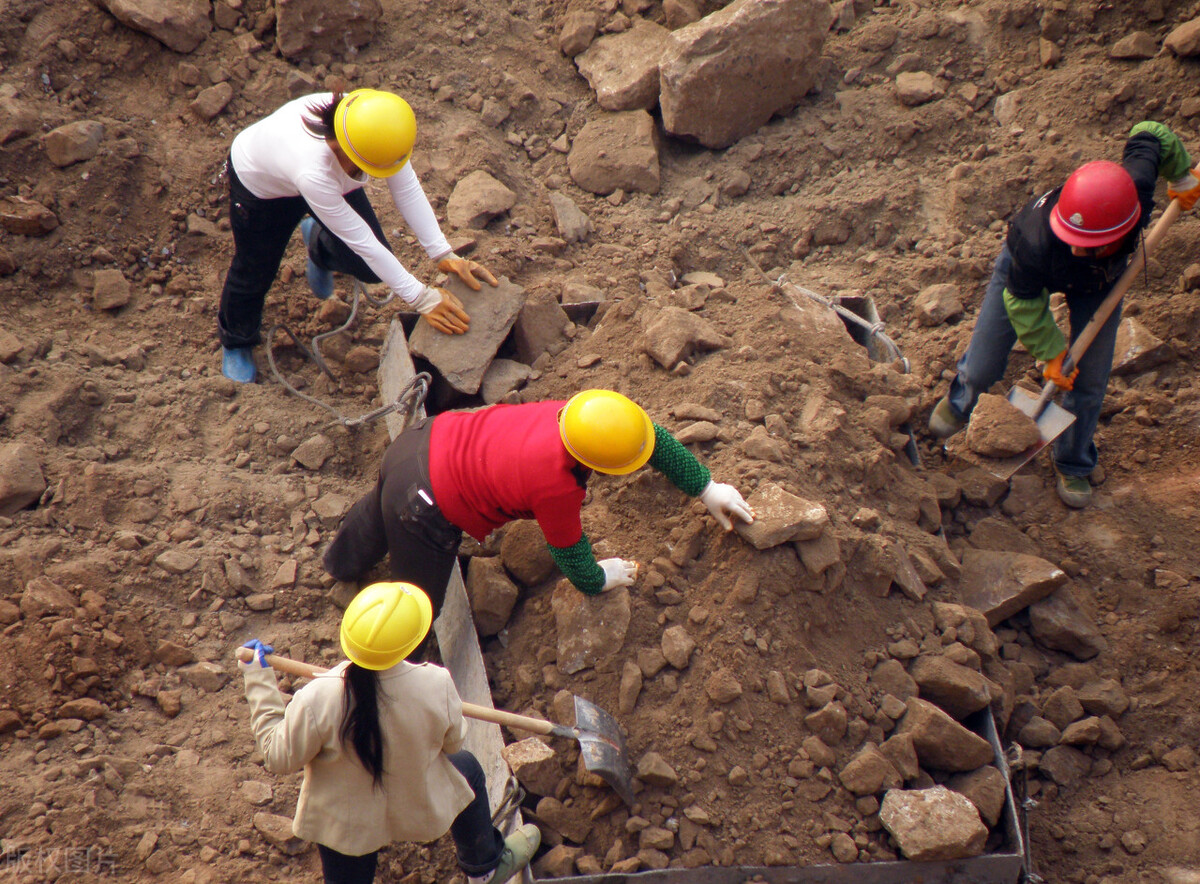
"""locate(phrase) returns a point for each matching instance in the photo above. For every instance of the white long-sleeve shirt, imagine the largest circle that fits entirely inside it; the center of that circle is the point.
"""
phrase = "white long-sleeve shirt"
(278, 157)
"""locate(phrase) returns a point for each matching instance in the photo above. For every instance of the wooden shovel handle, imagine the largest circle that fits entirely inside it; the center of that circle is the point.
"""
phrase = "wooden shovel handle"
(1050, 390)
(289, 666)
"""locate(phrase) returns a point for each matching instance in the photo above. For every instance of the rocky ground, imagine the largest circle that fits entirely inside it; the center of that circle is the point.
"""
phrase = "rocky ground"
(774, 686)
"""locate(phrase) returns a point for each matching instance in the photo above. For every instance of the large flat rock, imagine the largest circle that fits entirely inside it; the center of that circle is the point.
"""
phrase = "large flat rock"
(1002, 583)
(724, 76)
(464, 359)
(181, 25)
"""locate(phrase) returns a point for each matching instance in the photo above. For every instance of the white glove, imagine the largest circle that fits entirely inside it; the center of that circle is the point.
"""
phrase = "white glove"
(617, 572)
(723, 501)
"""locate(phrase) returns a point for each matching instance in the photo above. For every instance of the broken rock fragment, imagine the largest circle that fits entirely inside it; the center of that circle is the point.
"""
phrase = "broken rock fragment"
(463, 359)
(675, 333)
(957, 689)
(21, 479)
(1000, 584)
(780, 516)
(302, 26)
(491, 594)
(589, 628)
(26, 217)
(534, 764)
(1000, 429)
(941, 742)
(622, 68)
(74, 142)
(933, 824)
(724, 76)
(1138, 349)
(616, 152)
(181, 25)
(110, 290)
(477, 199)
(1059, 622)
(572, 222)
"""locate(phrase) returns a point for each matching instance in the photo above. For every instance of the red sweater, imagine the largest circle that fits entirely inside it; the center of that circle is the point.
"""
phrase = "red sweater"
(505, 462)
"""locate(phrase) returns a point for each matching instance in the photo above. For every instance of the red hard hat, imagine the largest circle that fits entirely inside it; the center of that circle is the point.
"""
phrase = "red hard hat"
(1098, 205)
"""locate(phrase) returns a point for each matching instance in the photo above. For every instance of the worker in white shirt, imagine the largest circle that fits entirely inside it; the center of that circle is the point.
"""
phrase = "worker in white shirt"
(312, 157)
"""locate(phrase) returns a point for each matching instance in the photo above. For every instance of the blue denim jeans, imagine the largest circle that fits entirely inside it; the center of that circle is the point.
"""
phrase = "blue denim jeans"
(986, 359)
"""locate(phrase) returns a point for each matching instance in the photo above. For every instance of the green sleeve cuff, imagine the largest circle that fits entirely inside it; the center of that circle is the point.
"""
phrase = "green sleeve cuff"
(1175, 159)
(678, 464)
(578, 564)
(1035, 326)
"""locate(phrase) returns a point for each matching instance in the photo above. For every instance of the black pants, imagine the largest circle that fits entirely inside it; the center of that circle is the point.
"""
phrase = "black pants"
(261, 231)
(478, 843)
(399, 517)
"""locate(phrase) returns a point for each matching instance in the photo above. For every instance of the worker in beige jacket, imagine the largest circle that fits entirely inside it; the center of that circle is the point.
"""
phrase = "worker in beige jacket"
(380, 741)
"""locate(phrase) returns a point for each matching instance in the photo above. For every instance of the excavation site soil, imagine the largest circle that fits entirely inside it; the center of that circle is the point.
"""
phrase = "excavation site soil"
(183, 514)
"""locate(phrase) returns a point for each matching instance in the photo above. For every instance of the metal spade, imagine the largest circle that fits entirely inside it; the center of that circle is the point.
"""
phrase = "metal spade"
(601, 742)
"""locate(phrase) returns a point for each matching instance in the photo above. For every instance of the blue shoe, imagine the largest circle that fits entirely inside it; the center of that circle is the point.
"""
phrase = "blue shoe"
(237, 364)
(320, 280)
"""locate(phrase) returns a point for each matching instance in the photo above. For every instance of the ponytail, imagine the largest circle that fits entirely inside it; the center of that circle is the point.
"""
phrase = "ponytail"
(321, 116)
(360, 722)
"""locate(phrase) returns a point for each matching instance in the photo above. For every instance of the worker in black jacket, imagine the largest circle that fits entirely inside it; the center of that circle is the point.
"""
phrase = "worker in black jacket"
(1077, 239)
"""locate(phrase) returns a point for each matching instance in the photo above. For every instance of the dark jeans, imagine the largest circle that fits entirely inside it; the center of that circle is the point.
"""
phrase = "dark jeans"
(479, 844)
(261, 231)
(986, 358)
(399, 517)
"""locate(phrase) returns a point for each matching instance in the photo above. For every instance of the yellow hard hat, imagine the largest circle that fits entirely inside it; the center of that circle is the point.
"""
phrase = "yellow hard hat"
(606, 431)
(376, 130)
(384, 623)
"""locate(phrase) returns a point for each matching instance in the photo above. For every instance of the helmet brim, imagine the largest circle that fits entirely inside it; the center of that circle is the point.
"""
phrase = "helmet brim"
(1073, 236)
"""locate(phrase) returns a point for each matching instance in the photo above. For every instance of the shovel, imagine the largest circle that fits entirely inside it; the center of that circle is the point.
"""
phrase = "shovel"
(1051, 418)
(600, 740)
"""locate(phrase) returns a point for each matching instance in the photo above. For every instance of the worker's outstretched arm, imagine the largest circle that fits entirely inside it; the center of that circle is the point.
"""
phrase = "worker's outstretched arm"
(693, 478)
(578, 564)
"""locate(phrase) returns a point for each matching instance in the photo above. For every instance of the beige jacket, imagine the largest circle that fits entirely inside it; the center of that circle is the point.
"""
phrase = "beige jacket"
(420, 713)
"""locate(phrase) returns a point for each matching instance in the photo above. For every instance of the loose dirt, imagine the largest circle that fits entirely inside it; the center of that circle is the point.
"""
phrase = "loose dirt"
(179, 524)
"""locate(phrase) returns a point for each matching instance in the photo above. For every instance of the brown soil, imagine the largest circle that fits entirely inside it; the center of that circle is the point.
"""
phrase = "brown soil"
(147, 450)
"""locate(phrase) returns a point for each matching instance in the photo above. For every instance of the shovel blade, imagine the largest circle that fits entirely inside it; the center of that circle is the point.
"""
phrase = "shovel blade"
(602, 746)
(1051, 423)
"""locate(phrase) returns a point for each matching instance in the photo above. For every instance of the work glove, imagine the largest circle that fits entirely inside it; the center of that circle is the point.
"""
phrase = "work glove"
(447, 314)
(1054, 372)
(1185, 189)
(465, 270)
(724, 501)
(617, 572)
(260, 652)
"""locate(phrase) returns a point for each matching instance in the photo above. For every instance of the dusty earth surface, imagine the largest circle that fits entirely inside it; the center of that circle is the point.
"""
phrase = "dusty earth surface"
(176, 523)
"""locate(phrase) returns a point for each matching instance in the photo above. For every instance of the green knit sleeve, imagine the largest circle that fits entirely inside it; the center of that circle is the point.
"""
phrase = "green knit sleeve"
(1175, 158)
(578, 564)
(678, 464)
(1035, 326)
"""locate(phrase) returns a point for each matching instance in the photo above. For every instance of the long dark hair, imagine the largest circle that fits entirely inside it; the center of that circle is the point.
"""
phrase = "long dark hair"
(320, 123)
(360, 722)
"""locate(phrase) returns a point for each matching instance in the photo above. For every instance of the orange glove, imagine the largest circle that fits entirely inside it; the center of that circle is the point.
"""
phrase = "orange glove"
(448, 317)
(1053, 372)
(466, 270)
(1186, 190)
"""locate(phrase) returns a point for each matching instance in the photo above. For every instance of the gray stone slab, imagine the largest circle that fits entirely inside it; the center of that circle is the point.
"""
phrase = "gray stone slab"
(1000, 583)
(463, 359)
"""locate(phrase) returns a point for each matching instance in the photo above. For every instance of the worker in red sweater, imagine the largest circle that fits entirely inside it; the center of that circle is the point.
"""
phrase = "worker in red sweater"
(474, 471)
